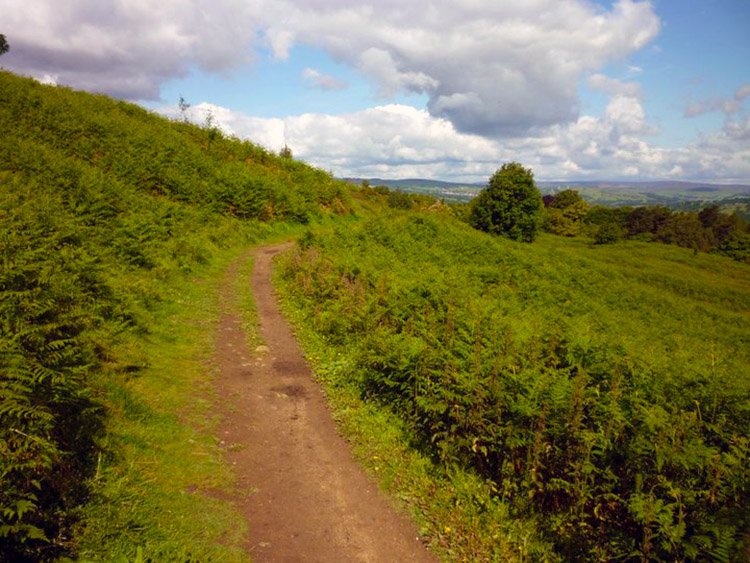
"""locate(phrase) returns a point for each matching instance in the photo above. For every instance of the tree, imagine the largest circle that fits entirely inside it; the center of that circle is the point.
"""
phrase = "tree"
(608, 233)
(4, 47)
(736, 246)
(683, 229)
(566, 212)
(184, 107)
(647, 220)
(718, 226)
(510, 205)
(606, 224)
(286, 153)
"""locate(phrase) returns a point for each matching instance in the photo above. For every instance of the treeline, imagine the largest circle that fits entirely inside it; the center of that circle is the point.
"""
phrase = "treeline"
(706, 230)
(102, 206)
(601, 392)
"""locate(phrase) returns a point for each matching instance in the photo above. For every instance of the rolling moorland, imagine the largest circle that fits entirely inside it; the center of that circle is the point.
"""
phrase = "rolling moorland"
(557, 400)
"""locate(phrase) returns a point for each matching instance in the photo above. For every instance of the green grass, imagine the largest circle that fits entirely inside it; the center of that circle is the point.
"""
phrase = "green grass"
(161, 472)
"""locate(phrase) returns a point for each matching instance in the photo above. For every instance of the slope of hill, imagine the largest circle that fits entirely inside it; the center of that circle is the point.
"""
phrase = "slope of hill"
(599, 394)
(104, 209)
(561, 401)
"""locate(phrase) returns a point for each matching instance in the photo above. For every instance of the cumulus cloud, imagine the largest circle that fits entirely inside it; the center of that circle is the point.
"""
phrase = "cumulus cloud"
(742, 92)
(614, 87)
(384, 140)
(379, 65)
(719, 104)
(397, 141)
(501, 79)
(710, 106)
(323, 81)
(125, 48)
(489, 67)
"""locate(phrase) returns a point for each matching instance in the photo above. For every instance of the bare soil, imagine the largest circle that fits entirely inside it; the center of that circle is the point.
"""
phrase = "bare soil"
(303, 495)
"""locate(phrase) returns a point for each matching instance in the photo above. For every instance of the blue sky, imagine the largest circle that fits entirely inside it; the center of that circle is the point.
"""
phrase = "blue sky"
(444, 89)
(272, 88)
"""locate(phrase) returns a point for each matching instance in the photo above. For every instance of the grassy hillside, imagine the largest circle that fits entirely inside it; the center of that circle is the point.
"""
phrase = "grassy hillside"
(552, 401)
(105, 211)
(599, 394)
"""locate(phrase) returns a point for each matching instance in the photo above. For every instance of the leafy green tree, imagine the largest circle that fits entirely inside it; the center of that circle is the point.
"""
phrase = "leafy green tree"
(710, 216)
(510, 205)
(647, 220)
(4, 47)
(566, 212)
(600, 214)
(608, 233)
(683, 229)
(718, 225)
(736, 246)
(606, 224)
(565, 199)
(400, 200)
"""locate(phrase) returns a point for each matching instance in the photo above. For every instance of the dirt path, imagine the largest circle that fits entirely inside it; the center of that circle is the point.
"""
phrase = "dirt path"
(304, 497)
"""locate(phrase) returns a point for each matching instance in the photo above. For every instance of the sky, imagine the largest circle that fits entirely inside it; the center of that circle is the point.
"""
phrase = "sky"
(439, 89)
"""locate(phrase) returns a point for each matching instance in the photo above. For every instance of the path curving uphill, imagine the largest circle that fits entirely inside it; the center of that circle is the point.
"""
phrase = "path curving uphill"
(304, 497)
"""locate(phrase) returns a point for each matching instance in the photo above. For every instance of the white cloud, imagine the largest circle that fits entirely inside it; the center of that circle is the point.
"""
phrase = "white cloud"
(626, 116)
(397, 141)
(726, 106)
(501, 79)
(48, 79)
(126, 48)
(379, 65)
(490, 67)
(382, 140)
(323, 81)
(742, 92)
(613, 87)
(710, 106)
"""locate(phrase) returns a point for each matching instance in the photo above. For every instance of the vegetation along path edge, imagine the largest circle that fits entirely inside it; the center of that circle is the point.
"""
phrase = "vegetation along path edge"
(303, 495)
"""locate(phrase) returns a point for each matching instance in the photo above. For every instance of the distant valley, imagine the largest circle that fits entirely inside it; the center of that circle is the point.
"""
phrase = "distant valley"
(670, 194)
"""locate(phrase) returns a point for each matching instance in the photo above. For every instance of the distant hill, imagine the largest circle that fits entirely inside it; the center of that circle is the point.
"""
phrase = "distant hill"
(412, 183)
(658, 186)
(449, 191)
(669, 193)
